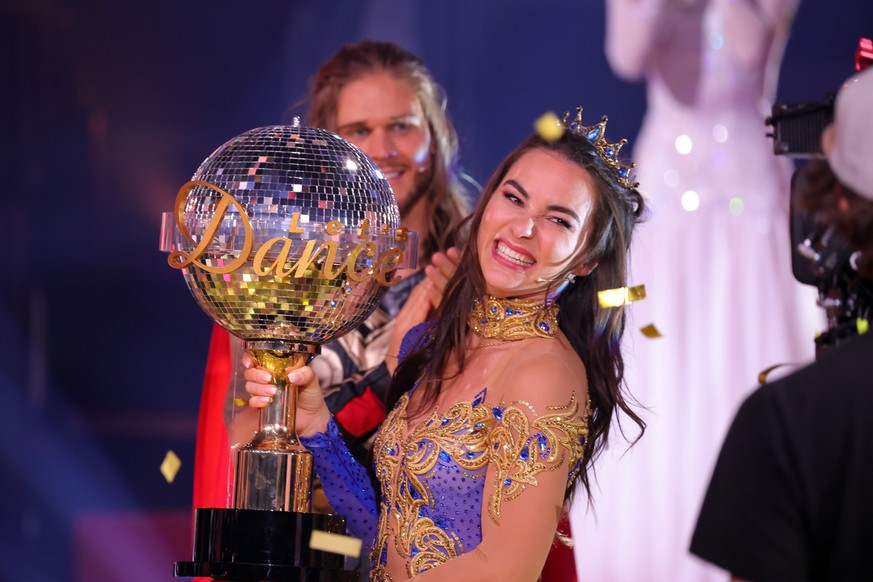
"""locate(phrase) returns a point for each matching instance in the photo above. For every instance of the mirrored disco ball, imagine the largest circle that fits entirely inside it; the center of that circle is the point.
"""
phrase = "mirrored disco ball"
(292, 227)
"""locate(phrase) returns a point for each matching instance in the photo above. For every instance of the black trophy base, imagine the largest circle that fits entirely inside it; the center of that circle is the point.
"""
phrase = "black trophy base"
(253, 545)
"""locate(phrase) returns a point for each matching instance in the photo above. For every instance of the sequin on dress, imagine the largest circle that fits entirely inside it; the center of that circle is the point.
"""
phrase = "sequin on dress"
(433, 478)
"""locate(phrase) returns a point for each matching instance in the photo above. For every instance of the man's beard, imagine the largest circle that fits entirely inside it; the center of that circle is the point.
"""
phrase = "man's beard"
(414, 198)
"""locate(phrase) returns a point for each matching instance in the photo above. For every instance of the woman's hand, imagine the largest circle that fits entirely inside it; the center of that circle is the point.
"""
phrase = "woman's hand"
(312, 412)
(426, 296)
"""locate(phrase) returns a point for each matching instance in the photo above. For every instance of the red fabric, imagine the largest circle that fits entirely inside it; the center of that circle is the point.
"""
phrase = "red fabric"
(362, 413)
(561, 564)
(212, 454)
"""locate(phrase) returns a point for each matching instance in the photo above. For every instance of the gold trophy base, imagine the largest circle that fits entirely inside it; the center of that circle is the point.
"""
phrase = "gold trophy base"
(275, 478)
(249, 545)
(266, 535)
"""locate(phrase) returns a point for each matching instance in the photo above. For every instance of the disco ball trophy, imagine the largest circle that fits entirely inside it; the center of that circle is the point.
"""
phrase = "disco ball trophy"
(287, 236)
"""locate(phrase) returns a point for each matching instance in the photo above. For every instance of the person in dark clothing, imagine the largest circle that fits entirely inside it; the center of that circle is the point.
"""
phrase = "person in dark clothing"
(791, 496)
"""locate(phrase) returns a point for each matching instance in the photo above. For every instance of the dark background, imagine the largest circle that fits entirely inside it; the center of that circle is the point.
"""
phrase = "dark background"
(109, 107)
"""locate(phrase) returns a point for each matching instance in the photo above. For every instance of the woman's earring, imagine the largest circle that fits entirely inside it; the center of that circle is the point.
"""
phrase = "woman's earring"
(568, 280)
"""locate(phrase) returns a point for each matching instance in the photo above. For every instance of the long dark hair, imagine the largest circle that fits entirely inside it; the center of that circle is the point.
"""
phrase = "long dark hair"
(446, 195)
(834, 203)
(594, 332)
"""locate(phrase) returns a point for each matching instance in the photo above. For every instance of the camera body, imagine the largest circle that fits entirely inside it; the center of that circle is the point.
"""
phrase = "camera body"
(797, 127)
(819, 256)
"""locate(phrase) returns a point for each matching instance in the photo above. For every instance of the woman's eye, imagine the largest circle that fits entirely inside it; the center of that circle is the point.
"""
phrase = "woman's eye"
(561, 222)
(512, 198)
(400, 126)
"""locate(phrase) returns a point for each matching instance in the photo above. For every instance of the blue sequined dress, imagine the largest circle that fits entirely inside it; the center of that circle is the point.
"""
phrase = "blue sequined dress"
(432, 479)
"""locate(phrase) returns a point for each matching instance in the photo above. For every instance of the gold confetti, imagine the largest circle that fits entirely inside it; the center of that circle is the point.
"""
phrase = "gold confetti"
(650, 331)
(335, 543)
(240, 401)
(621, 296)
(763, 374)
(549, 127)
(170, 466)
(863, 325)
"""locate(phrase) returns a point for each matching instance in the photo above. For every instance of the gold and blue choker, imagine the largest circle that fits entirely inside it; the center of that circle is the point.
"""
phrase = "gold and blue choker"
(513, 319)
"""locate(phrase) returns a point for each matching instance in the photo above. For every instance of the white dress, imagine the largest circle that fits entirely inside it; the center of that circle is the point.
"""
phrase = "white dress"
(715, 258)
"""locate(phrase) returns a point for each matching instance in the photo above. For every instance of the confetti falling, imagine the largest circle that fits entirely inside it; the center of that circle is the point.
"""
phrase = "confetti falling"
(863, 325)
(621, 296)
(335, 543)
(549, 127)
(170, 466)
(240, 401)
(650, 331)
(765, 373)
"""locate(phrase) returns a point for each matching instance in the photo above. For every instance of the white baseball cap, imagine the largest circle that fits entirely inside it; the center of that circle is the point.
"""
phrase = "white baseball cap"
(851, 139)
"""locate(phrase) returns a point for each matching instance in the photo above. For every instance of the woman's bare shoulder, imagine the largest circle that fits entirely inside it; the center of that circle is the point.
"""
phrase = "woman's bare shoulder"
(547, 371)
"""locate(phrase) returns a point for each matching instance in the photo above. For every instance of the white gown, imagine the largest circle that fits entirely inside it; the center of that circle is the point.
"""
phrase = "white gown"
(717, 272)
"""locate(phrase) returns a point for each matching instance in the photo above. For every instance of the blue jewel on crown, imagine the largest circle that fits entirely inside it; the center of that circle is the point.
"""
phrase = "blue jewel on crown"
(596, 134)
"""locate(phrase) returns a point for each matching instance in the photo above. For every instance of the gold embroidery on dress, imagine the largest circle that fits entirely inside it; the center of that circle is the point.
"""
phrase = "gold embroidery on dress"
(522, 449)
(472, 435)
(378, 574)
(404, 467)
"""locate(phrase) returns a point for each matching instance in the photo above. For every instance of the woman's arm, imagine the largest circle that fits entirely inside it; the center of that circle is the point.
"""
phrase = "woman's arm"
(346, 483)
(632, 28)
(540, 440)
(756, 32)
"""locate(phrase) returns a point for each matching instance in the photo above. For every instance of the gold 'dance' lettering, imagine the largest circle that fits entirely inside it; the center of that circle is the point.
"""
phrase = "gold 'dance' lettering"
(333, 227)
(181, 259)
(385, 263)
(294, 229)
(278, 263)
(364, 231)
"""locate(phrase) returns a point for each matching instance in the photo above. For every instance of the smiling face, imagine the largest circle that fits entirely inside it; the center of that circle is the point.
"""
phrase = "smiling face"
(383, 116)
(534, 224)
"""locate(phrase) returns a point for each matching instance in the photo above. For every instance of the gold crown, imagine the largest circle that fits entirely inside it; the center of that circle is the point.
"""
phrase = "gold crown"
(596, 134)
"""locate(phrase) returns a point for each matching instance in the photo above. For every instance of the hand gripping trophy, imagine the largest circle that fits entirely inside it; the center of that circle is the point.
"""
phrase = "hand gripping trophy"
(287, 236)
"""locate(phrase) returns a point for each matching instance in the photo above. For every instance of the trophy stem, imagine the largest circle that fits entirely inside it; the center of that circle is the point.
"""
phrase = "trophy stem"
(274, 471)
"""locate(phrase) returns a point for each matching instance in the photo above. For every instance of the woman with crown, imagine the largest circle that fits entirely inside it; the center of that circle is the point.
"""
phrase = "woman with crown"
(500, 404)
